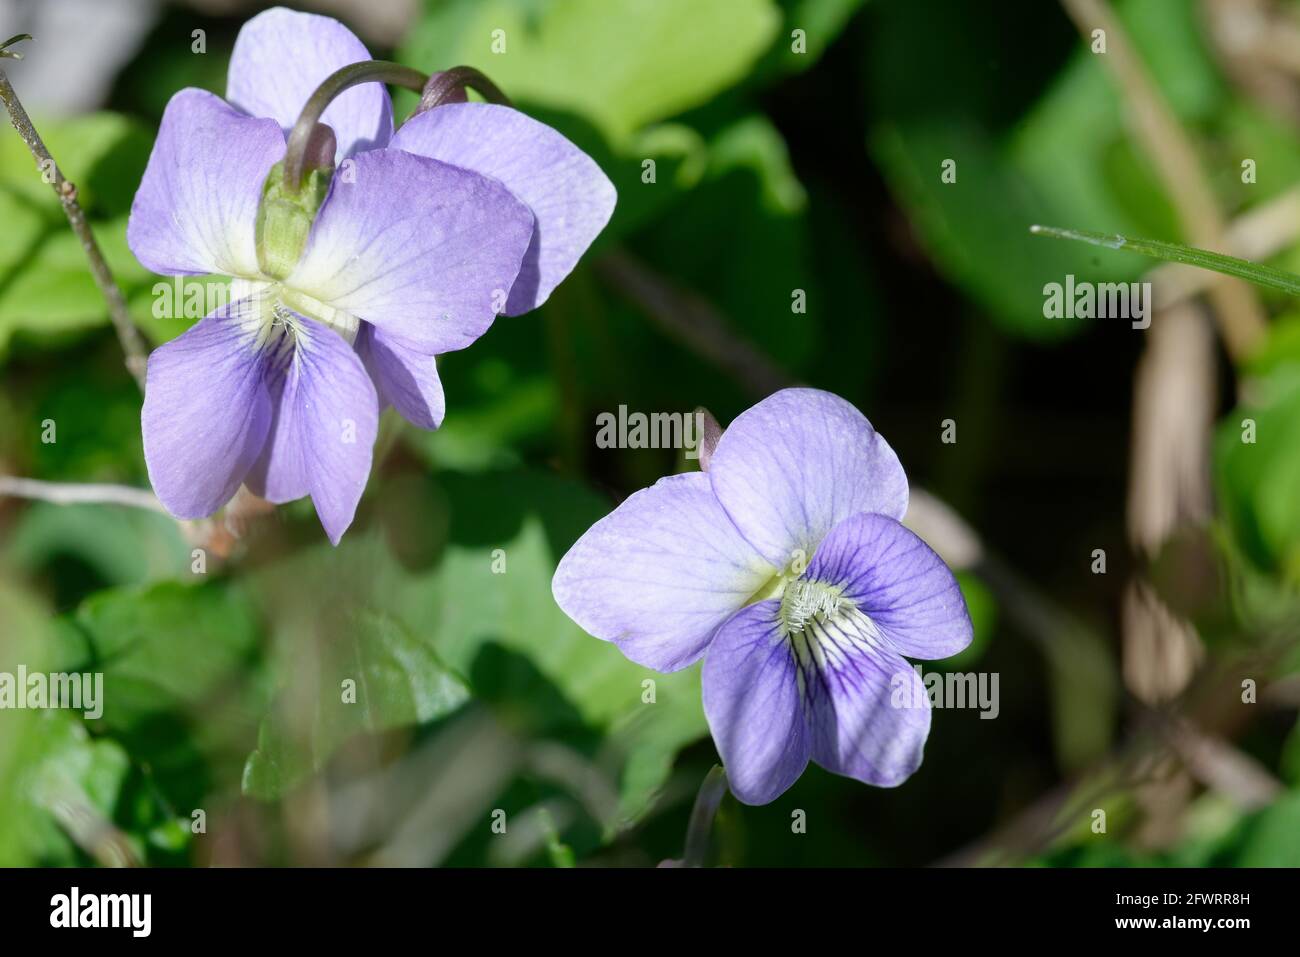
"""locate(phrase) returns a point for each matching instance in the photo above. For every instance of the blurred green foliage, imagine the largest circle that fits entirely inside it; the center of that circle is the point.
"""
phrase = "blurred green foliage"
(779, 164)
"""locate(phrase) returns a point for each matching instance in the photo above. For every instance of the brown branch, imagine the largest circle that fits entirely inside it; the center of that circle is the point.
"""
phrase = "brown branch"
(127, 334)
(688, 318)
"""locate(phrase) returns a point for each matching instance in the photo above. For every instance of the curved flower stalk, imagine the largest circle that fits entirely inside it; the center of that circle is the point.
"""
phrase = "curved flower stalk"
(394, 250)
(785, 568)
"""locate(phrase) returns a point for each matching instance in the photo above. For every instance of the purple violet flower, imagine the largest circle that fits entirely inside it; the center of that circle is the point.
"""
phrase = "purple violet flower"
(341, 297)
(785, 567)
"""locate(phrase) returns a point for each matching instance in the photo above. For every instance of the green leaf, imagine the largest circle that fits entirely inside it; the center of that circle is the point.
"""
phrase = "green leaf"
(51, 291)
(950, 89)
(1289, 765)
(484, 434)
(821, 22)
(479, 595)
(472, 596)
(25, 640)
(53, 775)
(124, 546)
(77, 784)
(561, 854)
(1074, 145)
(103, 154)
(680, 159)
(1258, 479)
(78, 422)
(1257, 457)
(671, 55)
(651, 737)
(977, 227)
(740, 238)
(1280, 352)
(1272, 837)
(1251, 131)
(168, 647)
(523, 522)
(382, 676)
(47, 289)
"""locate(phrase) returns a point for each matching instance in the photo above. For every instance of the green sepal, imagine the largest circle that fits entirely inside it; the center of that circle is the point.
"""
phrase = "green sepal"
(284, 219)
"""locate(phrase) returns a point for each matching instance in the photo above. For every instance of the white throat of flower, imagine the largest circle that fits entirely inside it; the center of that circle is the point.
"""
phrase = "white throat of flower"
(803, 600)
(270, 315)
(822, 626)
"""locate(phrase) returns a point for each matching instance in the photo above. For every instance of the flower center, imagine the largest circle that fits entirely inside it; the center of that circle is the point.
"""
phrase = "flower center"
(341, 321)
(804, 600)
(272, 317)
(274, 328)
(825, 631)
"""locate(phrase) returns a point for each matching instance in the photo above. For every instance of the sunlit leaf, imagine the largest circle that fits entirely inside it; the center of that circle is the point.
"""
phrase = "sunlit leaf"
(672, 54)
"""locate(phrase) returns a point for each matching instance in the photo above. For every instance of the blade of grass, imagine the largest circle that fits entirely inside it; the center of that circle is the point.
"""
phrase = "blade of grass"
(1261, 275)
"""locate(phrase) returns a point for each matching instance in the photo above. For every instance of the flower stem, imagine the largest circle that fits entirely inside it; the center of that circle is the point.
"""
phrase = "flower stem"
(698, 831)
(127, 334)
(450, 87)
(370, 71)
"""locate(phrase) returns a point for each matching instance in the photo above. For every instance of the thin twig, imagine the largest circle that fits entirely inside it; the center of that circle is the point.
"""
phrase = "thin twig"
(1148, 752)
(694, 322)
(89, 829)
(217, 534)
(60, 493)
(1222, 767)
(127, 334)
